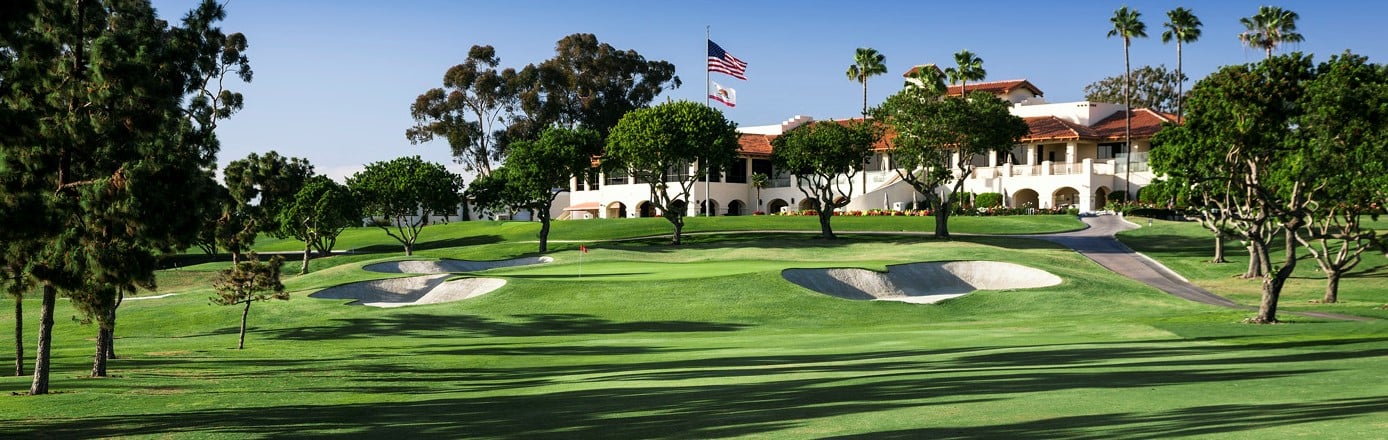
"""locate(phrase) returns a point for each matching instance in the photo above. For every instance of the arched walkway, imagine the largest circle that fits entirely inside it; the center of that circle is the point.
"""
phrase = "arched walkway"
(736, 207)
(1065, 197)
(645, 209)
(708, 207)
(616, 210)
(1026, 198)
(808, 204)
(775, 206)
(1100, 198)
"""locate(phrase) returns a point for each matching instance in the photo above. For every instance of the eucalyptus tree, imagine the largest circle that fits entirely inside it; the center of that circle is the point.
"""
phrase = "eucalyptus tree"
(404, 193)
(937, 138)
(660, 144)
(117, 115)
(318, 213)
(824, 157)
(1269, 28)
(967, 67)
(537, 171)
(867, 63)
(1182, 26)
(1154, 88)
(469, 110)
(1127, 24)
(1241, 134)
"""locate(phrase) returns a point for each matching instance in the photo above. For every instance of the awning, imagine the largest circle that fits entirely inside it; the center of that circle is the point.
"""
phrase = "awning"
(586, 206)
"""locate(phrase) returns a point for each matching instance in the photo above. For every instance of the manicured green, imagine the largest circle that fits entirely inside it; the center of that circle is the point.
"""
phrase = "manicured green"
(707, 340)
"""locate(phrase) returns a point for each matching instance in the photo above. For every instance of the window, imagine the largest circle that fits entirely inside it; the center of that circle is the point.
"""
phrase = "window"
(593, 180)
(737, 172)
(617, 177)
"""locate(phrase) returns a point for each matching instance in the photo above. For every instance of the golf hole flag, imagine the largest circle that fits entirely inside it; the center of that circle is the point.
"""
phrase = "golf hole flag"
(725, 95)
(583, 249)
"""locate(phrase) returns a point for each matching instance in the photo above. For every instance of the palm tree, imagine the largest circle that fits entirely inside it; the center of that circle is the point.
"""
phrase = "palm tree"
(867, 63)
(970, 67)
(759, 181)
(1126, 24)
(929, 78)
(1182, 26)
(1270, 27)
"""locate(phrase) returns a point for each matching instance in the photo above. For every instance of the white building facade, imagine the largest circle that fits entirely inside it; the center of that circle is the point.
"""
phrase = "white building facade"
(1074, 156)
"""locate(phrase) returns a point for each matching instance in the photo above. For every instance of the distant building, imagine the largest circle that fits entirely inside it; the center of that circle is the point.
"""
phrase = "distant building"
(1074, 157)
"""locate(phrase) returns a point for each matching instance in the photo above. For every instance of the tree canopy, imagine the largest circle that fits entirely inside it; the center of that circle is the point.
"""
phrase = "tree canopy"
(319, 212)
(404, 193)
(1155, 88)
(936, 138)
(537, 171)
(475, 100)
(867, 63)
(659, 144)
(824, 157)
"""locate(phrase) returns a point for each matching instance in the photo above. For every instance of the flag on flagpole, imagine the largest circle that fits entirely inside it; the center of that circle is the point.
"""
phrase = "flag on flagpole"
(583, 248)
(725, 95)
(721, 61)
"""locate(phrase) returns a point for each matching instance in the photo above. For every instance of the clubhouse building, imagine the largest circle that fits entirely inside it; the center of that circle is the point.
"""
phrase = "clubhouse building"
(1074, 156)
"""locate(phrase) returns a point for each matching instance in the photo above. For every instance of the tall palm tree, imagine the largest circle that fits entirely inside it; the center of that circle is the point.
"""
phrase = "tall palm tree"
(969, 68)
(929, 78)
(867, 63)
(1126, 24)
(1271, 27)
(1182, 26)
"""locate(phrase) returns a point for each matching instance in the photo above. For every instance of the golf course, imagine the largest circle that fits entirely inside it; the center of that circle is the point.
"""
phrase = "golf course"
(631, 337)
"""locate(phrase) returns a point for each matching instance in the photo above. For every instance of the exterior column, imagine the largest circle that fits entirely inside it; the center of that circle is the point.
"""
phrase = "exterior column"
(1070, 151)
(1031, 154)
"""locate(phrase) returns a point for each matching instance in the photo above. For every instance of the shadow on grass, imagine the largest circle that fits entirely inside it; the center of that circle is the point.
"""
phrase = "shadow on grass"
(722, 396)
(462, 325)
(433, 244)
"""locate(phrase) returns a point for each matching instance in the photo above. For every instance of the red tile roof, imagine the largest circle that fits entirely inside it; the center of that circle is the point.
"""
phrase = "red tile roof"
(758, 145)
(997, 87)
(1053, 128)
(1146, 123)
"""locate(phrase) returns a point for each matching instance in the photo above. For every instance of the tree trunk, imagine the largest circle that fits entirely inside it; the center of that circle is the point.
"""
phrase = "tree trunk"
(246, 312)
(942, 218)
(409, 249)
(99, 360)
(1127, 124)
(865, 96)
(303, 268)
(1255, 262)
(1273, 281)
(1332, 286)
(111, 324)
(679, 228)
(825, 230)
(1180, 90)
(41, 360)
(1219, 250)
(18, 336)
(544, 232)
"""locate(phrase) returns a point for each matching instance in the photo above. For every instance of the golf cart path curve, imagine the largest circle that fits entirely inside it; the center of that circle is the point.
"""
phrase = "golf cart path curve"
(1097, 242)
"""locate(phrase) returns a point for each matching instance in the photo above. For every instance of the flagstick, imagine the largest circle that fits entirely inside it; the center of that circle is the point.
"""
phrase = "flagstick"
(580, 263)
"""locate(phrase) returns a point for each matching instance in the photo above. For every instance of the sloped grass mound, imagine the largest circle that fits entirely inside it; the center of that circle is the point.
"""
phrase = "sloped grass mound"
(921, 283)
(399, 292)
(451, 266)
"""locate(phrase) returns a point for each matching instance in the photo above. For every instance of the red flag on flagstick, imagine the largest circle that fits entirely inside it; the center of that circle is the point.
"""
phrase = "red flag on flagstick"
(583, 248)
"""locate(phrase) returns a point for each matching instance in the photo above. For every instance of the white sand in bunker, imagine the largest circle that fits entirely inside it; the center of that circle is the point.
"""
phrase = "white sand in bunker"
(921, 283)
(408, 291)
(450, 266)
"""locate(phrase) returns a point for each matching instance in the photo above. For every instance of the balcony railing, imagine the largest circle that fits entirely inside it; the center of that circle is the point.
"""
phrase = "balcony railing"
(1026, 170)
(1060, 169)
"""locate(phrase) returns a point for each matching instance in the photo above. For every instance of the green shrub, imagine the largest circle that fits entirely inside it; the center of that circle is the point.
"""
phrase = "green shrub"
(988, 200)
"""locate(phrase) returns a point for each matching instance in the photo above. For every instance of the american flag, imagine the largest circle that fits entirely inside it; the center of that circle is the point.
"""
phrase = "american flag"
(721, 61)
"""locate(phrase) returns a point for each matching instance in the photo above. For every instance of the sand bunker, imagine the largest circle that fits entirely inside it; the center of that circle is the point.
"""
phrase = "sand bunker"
(921, 283)
(450, 266)
(397, 292)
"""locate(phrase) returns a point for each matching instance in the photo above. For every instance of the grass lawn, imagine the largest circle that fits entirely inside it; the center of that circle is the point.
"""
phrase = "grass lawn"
(707, 340)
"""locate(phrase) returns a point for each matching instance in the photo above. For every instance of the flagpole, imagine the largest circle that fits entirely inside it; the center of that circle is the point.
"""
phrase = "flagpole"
(708, 79)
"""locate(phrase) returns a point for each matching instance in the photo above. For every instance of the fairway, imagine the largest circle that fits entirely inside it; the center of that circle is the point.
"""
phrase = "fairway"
(708, 339)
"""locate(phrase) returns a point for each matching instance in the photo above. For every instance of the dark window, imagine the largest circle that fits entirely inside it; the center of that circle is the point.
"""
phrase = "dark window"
(737, 172)
(593, 180)
(762, 166)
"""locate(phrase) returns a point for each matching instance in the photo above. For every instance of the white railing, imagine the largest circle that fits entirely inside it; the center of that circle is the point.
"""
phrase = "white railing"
(1026, 170)
(1103, 168)
(1060, 169)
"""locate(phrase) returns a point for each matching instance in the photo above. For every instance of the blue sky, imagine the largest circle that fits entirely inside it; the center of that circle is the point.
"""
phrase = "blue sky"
(334, 79)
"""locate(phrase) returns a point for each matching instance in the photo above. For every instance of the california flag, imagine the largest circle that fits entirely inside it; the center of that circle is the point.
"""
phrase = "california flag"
(724, 95)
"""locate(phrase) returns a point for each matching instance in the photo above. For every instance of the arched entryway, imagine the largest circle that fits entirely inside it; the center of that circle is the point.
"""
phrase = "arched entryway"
(708, 207)
(1026, 198)
(736, 207)
(616, 210)
(808, 204)
(1065, 197)
(645, 209)
(1100, 198)
(776, 205)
